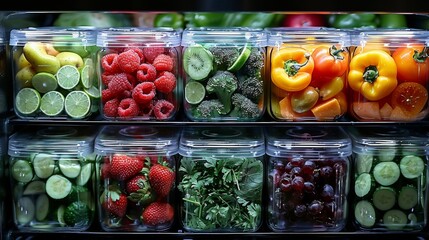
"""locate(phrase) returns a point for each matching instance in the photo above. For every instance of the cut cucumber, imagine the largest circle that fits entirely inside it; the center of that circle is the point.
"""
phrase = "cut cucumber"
(412, 218)
(408, 197)
(386, 173)
(364, 163)
(384, 198)
(24, 211)
(85, 174)
(44, 165)
(386, 155)
(365, 213)
(412, 166)
(60, 215)
(42, 207)
(35, 187)
(395, 219)
(363, 184)
(69, 167)
(58, 187)
(21, 171)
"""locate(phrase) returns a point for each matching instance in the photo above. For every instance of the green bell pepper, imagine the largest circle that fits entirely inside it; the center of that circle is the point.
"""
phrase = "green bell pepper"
(354, 20)
(393, 21)
(173, 20)
(204, 19)
(235, 19)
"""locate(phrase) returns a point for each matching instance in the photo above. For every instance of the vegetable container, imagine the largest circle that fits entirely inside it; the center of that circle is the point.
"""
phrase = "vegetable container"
(308, 181)
(139, 73)
(389, 75)
(54, 73)
(221, 179)
(3, 187)
(5, 83)
(51, 172)
(136, 177)
(307, 71)
(389, 179)
(223, 71)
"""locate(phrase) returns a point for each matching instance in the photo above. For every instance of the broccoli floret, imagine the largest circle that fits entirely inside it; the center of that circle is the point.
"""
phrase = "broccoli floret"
(224, 57)
(244, 107)
(251, 87)
(209, 109)
(254, 63)
(223, 84)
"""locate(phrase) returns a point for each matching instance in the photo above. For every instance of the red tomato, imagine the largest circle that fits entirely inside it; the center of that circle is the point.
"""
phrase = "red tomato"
(412, 63)
(304, 20)
(329, 62)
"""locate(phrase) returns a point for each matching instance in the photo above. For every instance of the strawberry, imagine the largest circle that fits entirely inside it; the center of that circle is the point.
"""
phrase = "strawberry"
(114, 202)
(158, 213)
(123, 167)
(161, 179)
(136, 183)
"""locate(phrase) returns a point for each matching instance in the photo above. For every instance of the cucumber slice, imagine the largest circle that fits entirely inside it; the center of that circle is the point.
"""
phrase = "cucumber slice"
(408, 197)
(21, 171)
(363, 184)
(386, 155)
(386, 173)
(365, 213)
(384, 198)
(412, 218)
(412, 166)
(69, 167)
(395, 219)
(42, 207)
(58, 187)
(60, 215)
(44, 165)
(364, 163)
(35, 187)
(85, 174)
(24, 211)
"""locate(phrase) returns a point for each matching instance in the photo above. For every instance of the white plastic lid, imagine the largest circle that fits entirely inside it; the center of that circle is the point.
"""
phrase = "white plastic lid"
(307, 35)
(84, 36)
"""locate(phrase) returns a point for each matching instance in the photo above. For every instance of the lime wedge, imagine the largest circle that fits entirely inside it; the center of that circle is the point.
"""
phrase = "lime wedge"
(68, 77)
(194, 92)
(44, 82)
(87, 76)
(77, 104)
(93, 92)
(52, 103)
(27, 101)
(241, 60)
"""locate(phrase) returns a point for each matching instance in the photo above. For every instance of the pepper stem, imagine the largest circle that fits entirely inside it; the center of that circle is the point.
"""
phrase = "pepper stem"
(335, 52)
(370, 74)
(421, 57)
(292, 66)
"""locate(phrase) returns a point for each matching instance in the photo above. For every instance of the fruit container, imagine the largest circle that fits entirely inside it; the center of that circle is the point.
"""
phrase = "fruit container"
(389, 179)
(221, 179)
(139, 73)
(308, 178)
(5, 83)
(307, 71)
(223, 71)
(54, 73)
(136, 177)
(389, 75)
(51, 172)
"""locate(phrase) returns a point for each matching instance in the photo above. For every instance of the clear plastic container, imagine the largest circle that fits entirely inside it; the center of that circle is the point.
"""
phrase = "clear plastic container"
(224, 72)
(139, 73)
(3, 186)
(5, 83)
(307, 68)
(54, 73)
(136, 177)
(389, 179)
(221, 179)
(308, 178)
(51, 171)
(389, 75)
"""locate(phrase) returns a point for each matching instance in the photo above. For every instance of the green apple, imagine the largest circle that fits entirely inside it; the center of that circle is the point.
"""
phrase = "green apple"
(35, 53)
(70, 58)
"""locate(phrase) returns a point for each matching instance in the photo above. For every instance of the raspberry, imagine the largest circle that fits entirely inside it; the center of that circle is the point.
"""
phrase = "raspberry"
(146, 110)
(128, 61)
(132, 79)
(137, 50)
(144, 92)
(166, 82)
(163, 62)
(150, 53)
(146, 72)
(106, 77)
(110, 108)
(109, 63)
(128, 108)
(119, 84)
(163, 109)
(106, 95)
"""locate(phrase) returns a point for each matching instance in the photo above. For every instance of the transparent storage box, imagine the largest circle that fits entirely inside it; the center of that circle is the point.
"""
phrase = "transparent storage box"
(389, 179)
(224, 72)
(54, 74)
(136, 177)
(221, 179)
(51, 172)
(308, 178)
(307, 69)
(139, 73)
(5, 83)
(389, 75)
(4, 185)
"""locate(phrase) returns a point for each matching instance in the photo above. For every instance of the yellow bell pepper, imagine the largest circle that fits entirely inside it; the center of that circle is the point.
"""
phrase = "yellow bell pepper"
(373, 74)
(291, 68)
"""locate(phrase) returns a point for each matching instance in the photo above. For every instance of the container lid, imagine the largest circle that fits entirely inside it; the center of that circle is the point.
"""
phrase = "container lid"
(308, 141)
(55, 140)
(85, 36)
(143, 37)
(234, 36)
(225, 141)
(307, 35)
(391, 37)
(137, 139)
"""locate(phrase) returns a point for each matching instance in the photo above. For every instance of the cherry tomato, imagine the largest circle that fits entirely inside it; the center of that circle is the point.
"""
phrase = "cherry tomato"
(412, 63)
(304, 20)
(411, 97)
(329, 62)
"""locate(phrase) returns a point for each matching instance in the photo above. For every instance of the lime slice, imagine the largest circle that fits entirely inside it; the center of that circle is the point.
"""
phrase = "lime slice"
(194, 92)
(77, 104)
(52, 103)
(241, 60)
(93, 92)
(68, 77)
(44, 82)
(87, 76)
(27, 101)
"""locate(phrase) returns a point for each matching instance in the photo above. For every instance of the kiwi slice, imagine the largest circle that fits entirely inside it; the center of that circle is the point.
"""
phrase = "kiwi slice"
(197, 62)
(241, 60)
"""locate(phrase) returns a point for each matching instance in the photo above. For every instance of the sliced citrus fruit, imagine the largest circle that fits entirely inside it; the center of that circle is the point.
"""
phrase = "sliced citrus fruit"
(241, 60)
(411, 97)
(27, 101)
(44, 82)
(77, 104)
(68, 77)
(194, 92)
(52, 103)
